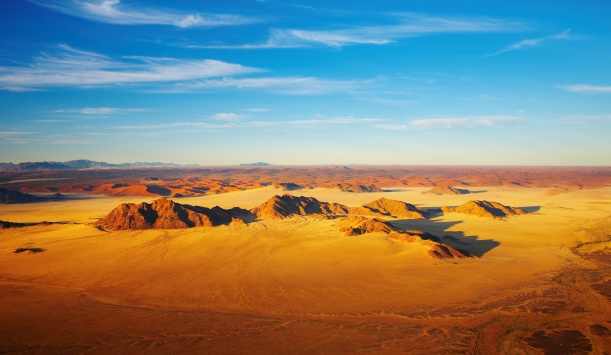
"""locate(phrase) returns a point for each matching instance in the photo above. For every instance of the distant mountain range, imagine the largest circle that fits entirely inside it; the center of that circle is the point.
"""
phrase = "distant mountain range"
(77, 164)
(260, 163)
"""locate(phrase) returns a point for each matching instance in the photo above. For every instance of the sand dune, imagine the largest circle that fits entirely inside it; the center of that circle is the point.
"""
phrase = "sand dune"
(298, 284)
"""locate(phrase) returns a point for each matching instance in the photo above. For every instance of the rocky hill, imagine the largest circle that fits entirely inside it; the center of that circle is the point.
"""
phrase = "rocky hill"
(355, 188)
(279, 207)
(484, 209)
(8, 196)
(390, 208)
(446, 190)
(287, 186)
(358, 225)
(167, 214)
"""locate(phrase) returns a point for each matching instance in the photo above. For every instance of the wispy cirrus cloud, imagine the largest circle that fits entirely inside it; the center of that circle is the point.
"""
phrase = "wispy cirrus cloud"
(535, 42)
(409, 25)
(318, 121)
(228, 117)
(102, 111)
(33, 137)
(467, 122)
(115, 12)
(72, 67)
(391, 127)
(586, 88)
(276, 85)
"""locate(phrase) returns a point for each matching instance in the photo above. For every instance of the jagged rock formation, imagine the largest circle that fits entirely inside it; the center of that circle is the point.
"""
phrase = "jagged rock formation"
(8, 196)
(446, 190)
(287, 186)
(166, 214)
(389, 208)
(484, 209)
(358, 225)
(279, 207)
(347, 187)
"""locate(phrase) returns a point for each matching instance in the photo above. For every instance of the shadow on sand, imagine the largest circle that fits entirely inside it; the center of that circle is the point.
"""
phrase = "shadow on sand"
(531, 209)
(28, 250)
(395, 190)
(477, 191)
(456, 239)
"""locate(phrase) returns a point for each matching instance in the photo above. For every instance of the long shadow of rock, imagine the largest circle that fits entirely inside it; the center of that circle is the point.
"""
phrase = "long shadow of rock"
(477, 191)
(456, 239)
(29, 250)
(531, 209)
(396, 190)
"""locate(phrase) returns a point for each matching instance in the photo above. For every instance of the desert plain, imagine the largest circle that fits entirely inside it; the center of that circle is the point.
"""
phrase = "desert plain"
(529, 283)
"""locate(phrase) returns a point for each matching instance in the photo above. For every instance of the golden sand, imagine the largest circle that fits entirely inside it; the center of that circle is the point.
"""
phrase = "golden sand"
(300, 285)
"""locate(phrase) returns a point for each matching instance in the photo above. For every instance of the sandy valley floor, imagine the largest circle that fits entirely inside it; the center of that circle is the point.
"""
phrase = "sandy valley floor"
(300, 286)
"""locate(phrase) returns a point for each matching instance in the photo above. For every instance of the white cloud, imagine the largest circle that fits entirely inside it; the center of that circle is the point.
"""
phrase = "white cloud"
(5, 134)
(581, 117)
(534, 42)
(467, 122)
(231, 117)
(409, 26)
(586, 88)
(72, 67)
(102, 110)
(256, 124)
(114, 12)
(391, 127)
(333, 121)
(277, 85)
(257, 109)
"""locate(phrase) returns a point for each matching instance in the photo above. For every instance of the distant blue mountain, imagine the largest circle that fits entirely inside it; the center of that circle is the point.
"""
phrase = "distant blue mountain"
(76, 164)
(256, 164)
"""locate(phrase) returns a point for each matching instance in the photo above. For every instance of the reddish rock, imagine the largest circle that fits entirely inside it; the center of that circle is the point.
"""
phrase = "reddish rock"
(390, 208)
(279, 207)
(445, 190)
(166, 214)
(485, 209)
(347, 187)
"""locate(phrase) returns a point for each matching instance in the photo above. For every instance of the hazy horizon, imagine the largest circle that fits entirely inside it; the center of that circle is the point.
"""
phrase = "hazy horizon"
(313, 83)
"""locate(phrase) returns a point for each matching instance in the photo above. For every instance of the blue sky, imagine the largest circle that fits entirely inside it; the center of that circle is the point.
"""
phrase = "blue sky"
(310, 82)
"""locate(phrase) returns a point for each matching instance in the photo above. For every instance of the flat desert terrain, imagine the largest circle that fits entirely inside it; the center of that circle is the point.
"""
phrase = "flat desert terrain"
(537, 282)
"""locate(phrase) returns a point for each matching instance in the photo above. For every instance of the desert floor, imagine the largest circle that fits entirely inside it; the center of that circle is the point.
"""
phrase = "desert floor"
(541, 281)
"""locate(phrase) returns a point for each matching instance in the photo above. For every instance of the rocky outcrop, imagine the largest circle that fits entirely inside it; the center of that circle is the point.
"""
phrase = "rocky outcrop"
(384, 207)
(484, 209)
(8, 196)
(347, 187)
(167, 214)
(446, 190)
(359, 225)
(279, 207)
(287, 186)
